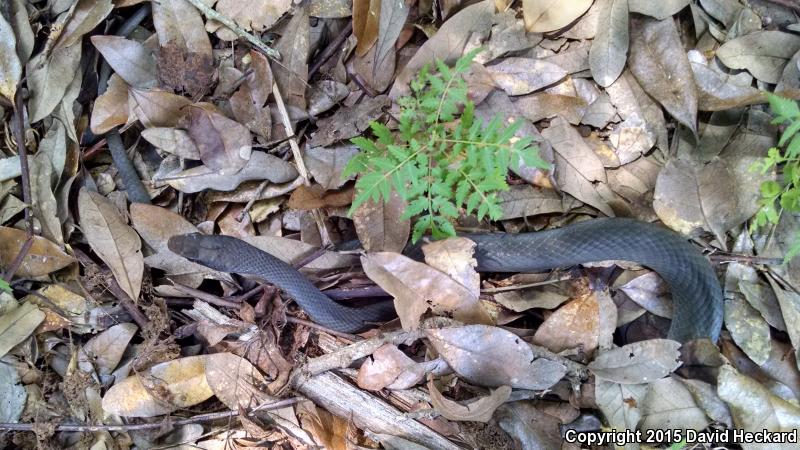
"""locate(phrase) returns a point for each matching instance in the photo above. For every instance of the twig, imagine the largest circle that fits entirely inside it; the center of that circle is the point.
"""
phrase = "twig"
(310, 324)
(129, 305)
(230, 24)
(152, 426)
(331, 49)
(287, 125)
(360, 292)
(206, 297)
(746, 259)
(19, 136)
(525, 286)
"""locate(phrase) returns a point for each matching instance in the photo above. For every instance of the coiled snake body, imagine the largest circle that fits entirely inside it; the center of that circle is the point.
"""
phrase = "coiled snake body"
(696, 292)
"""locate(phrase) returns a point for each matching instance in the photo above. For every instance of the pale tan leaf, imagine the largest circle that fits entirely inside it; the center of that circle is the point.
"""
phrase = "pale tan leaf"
(609, 50)
(763, 53)
(113, 240)
(549, 15)
(257, 15)
(157, 108)
(164, 388)
(48, 79)
(448, 43)
(86, 16)
(390, 368)
(518, 76)
(454, 256)
(132, 61)
(620, 402)
(17, 325)
(104, 351)
(10, 66)
(172, 140)
(526, 200)
(417, 287)
(748, 329)
(640, 362)
(179, 23)
(292, 74)
(44, 202)
(478, 410)
(20, 22)
(669, 405)
(379, 227)
(43, 258)
(659, 63)
(224, 145)
(366, 20)
(111, 108)
(472, 351)
(574, 325)
(629, 98)
(235, 381)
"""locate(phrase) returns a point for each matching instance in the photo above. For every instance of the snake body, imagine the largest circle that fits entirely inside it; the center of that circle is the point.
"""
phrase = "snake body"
(696, 291)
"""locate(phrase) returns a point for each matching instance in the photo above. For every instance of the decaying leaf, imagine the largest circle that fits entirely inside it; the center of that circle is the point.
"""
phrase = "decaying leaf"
(518, 76)
(104, 351)
(640, 362)
(379, 226)
(85, 17)
(162, 389)
(390, 368)
(10, 66)
(417, 287)
(130, 60)
(43, 258)
(574, 325)
(669, 405)
(479, 410)
(261, 166)
(17, 325)
(660, 64)
(542, 16)
(763, 53)
(327, 163)
(224, 145)
(49, 78)
(472, 351)
(157, 108)
(113, 240)
(172, 140)
(292, 74)
(235, 381)
(753, 406)
(111, 108)
(609, 50)
(620, 402)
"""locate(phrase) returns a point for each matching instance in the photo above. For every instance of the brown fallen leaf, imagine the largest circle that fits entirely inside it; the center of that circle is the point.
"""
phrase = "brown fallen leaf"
(472, 351)
(609, 50)
(542, 16)
(85, 17)
(366, 20)
(249, 102)
(454, 256)
(478, 410)
(659, 63)
(327, 163)
(640, 362)
(518, 76)
(314, 197)
(292, 74)
(235, 381)
(763, 53)
(172, 140)
(379, 227)
(104, 351)
(48, 79)
(629, 98)
(620, 402)
(417, 287)
(132, 61)
(17, 325)
(43, 258)
(753, 406)
(157, 108)
(164, 388)
(224, 144)
(390, 368)
(261, 166)
(113, 240)
(110, 108)
(10, 65)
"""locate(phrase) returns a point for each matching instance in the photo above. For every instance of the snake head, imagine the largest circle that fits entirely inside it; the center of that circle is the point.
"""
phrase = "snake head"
(200, 248)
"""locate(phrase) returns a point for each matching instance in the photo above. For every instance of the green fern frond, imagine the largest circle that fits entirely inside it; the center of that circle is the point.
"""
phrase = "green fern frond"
(442, 160)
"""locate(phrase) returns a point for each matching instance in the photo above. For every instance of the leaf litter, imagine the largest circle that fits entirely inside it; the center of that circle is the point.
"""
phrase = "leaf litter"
(641, 111)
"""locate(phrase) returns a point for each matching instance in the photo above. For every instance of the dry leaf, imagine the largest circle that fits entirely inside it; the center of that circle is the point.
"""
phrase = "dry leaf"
(164, 388)
(44, 202)
(545, 106)
(366, 20)
(235, 381)
(292, 251)
(104, 351)
(292, 74)
(111, 108)
(542, 16)
(754, 407)
(669, 405)
(85, 17)
(660, 64)
(609, 50)
(379, 226)
(261, 166)
(660, 10)
(390, 368)
(640, 362)
(454, 256)
(224, 145)
(49, 78)
(43, 258)
(257, 15)
(525, 200)
(17, 325)
(518, 76)
(113, 240)
(172, 140)
(472, 351)
(417, 287)
(132, 61)
(327, 163)
(10, 66)
(314, 197)
(620, 403)
(629, 98)
(480, 410)
(574, 325)
(157, 108)
(763, 53)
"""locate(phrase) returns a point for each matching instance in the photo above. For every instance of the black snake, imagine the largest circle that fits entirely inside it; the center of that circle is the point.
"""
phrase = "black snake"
(695, 288)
